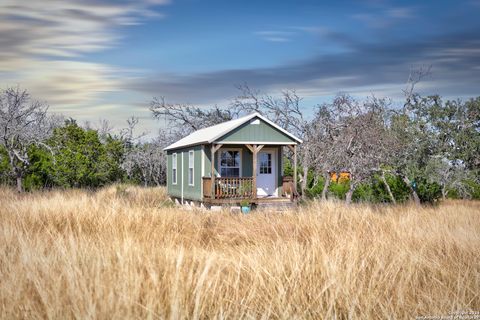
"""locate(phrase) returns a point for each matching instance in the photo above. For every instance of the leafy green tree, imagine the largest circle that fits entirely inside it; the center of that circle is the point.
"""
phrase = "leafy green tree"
(81, 160)
(412, 148)
(468, 137)
(115, 150)
(375, 190)
(40, 172)
(453, 133)
(5, 169)
(428, 192)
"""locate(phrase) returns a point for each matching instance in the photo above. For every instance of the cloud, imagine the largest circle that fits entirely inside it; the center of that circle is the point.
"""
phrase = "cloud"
(377, 66)
(63, 82)
(42, 44)
(385, 18)
(65, 28)
(275, 36)
(400, 13)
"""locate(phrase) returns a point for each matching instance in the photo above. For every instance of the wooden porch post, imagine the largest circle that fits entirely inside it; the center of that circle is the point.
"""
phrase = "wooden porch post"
(254, 149)
(294, 150)
(254, 187)
(212, 171)
(213, 149)
(295, 166)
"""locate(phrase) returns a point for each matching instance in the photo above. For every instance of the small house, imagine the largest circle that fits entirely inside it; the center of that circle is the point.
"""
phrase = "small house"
(236, 160)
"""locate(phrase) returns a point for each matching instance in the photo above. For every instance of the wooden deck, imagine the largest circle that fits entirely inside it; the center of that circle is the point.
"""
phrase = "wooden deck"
(233, 190)
(278, 200)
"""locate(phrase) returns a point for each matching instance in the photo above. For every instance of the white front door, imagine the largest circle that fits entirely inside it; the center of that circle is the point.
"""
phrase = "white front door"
(266, 168)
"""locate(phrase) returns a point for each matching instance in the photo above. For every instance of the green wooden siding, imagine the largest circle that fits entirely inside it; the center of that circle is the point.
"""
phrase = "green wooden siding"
(246, 160)
(189, 192)
(207, 162)
(174, 190)
(262, 132)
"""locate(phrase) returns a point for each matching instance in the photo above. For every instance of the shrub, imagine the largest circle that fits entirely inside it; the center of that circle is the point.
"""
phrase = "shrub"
(339, 190)
(428, 192)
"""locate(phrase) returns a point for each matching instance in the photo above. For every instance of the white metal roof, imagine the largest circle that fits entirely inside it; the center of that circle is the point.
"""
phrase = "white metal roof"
(211, 134)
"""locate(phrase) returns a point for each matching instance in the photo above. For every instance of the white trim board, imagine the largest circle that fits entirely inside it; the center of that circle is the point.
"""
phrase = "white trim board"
(174, 183)
(193, 168)
(183, 181)
(258, 142)
(202, 170)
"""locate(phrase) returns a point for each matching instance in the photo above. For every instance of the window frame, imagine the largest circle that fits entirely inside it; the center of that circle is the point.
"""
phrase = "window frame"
(269, 166)
(174, 168)
(191, 161)
(219, 161)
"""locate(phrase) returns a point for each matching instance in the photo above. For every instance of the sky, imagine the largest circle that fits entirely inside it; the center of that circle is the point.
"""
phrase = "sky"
(94, 60)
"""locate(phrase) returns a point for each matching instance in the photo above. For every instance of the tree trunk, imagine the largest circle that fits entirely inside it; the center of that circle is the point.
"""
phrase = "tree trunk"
(348, 197)
(384, 180)
(444, 193)
(325, 186)
(315, 180)
(304, 181)
(19, 183)
(416, 199)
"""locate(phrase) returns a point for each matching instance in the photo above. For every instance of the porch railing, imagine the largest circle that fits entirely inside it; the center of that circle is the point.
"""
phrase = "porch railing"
(229, 187)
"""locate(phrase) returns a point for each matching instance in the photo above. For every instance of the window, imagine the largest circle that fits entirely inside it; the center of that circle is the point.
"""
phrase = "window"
(265, 163)
(174, 168)
(230, 163)
(191, 161)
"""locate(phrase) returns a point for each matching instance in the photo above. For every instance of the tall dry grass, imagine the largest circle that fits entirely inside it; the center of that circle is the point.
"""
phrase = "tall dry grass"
(123, 254)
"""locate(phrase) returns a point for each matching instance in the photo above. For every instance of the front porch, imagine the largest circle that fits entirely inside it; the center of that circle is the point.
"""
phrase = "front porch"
(264, 161)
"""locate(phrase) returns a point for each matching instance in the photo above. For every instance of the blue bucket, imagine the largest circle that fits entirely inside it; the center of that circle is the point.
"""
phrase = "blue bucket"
(245, 210)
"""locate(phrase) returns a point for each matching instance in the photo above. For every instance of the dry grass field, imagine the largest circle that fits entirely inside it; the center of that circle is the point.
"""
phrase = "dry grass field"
(126, 254)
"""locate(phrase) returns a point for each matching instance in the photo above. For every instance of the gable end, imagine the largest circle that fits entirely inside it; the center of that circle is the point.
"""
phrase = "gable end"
(256, 130)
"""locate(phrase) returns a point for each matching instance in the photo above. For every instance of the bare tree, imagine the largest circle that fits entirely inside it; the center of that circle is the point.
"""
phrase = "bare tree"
(148, 160)
(284, 109)
(354, 138)
(104, 129)
(183, 119)
(128, 134)
(324, 131)
(23, 123)
(415, 76)
(143, 159)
